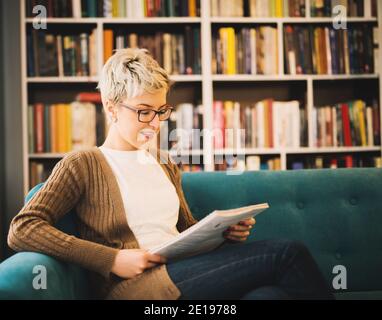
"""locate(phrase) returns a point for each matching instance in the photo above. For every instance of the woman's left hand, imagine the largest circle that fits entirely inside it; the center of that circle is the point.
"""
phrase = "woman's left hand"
(240, 231)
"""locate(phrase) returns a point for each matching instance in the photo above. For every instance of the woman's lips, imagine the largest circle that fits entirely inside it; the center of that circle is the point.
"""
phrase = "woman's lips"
(147, 134)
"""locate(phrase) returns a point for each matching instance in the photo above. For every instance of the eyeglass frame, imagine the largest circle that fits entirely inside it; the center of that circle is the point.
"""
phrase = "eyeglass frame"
(138, 111)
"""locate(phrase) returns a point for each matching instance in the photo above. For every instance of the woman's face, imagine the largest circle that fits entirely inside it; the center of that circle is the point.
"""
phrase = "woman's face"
(134, 133)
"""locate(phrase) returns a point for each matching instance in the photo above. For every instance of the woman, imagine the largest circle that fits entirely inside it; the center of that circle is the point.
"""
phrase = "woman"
(129, 199)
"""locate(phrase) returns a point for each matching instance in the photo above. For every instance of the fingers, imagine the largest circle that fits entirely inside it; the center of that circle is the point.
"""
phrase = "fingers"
(151, 265)
(240, 236)
(237, 227)
(244, 225)
(233, 238)
(238, 233)
(156, 258)
(250, 222)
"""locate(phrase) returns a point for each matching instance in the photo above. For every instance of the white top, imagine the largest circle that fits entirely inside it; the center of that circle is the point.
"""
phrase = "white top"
(149, 197)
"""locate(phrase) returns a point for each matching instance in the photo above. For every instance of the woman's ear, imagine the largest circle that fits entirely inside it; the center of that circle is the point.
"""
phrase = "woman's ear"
(111, 110)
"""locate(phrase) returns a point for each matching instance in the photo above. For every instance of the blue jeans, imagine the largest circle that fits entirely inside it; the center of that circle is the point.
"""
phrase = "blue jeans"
(266, 269)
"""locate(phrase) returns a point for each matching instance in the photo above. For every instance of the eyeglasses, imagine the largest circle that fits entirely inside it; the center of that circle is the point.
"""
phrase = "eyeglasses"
(147, 115)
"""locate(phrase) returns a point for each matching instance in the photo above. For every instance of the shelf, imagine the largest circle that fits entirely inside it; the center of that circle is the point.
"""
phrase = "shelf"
(40, 156)
(343, 76)
(61, 79)
(121, 20)
(254, 77)
(176, 78)
(186, 78)
(249, 77)
(46, 155)
(332, 150)
(241, 20)
(186, 153)
(219, 77)
(247, 151)
(302, 150)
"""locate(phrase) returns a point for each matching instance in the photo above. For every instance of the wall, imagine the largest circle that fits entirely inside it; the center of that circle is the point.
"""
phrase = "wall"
(11, 162)
(2, 187)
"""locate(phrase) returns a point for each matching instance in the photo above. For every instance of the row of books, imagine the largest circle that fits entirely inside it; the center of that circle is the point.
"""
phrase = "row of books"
(308, 50)
(334, 162)
(60, 128)
(39, 172)
(183, 130)
(245, 51)
(116, 8)
(354, 8)
(292, 8)
(191, 8)
(50, 54)
(324, 50)
(265, 124)
(177, 53)
(353, 123)
(249, 163)
(255, 163)
(258, 8)
(191, 167)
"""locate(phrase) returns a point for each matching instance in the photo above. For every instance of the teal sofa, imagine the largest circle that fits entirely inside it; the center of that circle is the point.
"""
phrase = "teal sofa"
(336, 213)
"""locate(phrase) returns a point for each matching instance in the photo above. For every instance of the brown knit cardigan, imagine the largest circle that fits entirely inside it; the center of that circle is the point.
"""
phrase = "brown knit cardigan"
(84, 180)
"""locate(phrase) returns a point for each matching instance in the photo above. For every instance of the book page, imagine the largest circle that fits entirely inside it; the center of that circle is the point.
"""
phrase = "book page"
(207, 234)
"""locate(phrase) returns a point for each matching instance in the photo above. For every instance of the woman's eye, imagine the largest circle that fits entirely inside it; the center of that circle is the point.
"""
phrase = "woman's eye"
(145, 112)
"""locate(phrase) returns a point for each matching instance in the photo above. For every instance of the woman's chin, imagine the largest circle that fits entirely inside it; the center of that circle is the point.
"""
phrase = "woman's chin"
(146, 142)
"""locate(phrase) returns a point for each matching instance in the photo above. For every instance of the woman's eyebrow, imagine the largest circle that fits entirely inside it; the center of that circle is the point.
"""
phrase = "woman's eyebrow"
(147, 105)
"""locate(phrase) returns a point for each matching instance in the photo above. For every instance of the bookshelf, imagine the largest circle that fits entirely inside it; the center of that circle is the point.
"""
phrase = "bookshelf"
(208, 87)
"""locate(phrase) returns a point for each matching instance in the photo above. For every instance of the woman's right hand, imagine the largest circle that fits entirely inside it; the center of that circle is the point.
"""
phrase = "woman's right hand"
(131, 262)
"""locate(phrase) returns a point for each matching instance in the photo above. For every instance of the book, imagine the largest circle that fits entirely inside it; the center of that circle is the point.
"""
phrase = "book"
(60, 128)
(325, 50)
(206, 234)
(257, 8)
(267, 124)
(178, 52)
(350, 124)
(245, 50)
(354, 8)
(52, 55)
(336, 161)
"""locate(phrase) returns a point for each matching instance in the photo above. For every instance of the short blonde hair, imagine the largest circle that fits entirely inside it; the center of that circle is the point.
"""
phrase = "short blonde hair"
(129, 73)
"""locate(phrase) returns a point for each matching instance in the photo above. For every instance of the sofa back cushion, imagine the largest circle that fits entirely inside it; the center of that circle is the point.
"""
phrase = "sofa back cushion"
(336, 213)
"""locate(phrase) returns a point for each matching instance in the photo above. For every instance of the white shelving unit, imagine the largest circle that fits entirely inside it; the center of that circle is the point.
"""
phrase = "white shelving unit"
(206, 79)
(176, 78)
(247, 20)
(121, 20)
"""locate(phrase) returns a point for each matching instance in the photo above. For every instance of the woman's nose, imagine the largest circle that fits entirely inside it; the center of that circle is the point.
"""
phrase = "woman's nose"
(155, 122)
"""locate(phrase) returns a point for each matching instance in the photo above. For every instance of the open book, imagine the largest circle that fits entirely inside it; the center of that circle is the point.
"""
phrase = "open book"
(207, 234)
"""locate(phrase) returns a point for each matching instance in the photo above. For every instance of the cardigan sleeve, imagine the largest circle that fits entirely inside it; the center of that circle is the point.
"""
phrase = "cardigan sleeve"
(32, 229)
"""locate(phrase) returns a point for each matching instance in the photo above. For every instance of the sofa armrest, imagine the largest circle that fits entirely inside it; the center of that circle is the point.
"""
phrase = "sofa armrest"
(63, 280)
